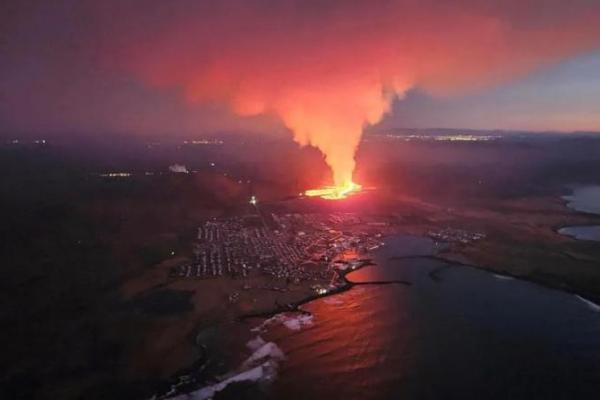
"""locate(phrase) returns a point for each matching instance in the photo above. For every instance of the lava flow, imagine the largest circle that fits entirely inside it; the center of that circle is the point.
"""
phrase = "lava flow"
(335, 192)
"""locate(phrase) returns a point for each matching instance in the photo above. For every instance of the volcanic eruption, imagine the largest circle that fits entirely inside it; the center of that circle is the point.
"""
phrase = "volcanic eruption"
(328, 70)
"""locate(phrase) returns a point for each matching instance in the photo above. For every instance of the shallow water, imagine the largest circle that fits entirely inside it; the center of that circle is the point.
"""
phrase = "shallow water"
(582, 232)
(585, 199)
(456, 332)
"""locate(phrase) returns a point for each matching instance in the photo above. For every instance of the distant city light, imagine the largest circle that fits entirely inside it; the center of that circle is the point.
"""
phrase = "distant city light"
(253, 200)
(459, 137)
(204, 142)
(116, 174)
(179, 168)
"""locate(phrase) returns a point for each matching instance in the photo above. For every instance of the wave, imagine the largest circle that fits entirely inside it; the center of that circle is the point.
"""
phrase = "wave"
(299, 322)
(256, 343)
(593, 306)
(256, 374)
(503, 277)
(263, 363)
(292, 322)
(261, 366)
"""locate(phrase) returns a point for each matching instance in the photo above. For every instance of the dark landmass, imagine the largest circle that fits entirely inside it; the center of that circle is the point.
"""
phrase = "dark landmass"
(89, 310)
(163, 302)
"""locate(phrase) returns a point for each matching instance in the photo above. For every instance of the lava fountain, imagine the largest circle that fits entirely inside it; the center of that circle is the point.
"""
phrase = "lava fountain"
(328, 72)
(334, 192)
(331, 117)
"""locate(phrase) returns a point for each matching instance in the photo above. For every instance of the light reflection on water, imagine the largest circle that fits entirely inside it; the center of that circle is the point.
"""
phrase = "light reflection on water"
(464, 335)
(335, 357)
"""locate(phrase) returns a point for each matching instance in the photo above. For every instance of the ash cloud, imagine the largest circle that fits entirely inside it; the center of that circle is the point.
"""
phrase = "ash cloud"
(328, 69)
(325, 69)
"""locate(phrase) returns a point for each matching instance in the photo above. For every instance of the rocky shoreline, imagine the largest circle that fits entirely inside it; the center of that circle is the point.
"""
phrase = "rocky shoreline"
(447, 256)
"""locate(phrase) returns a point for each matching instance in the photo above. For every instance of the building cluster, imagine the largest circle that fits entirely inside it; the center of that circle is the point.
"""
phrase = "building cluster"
(429, 137)
(204, 141)
(289, 247)
(116, 175)
(452, 235)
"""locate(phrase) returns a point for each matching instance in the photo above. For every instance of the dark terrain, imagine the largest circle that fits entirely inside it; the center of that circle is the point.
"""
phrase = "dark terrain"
(72, 238)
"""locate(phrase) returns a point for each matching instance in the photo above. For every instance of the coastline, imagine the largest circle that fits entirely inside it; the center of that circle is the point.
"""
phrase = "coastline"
(534, 240)
(347, 285)
(444, 256)
(562, 286)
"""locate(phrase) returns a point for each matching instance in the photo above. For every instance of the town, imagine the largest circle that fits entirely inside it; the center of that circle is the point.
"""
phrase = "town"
(450, 235)
(287, 247)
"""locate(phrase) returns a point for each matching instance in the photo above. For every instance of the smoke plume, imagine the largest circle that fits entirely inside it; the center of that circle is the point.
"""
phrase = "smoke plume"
(327, 69)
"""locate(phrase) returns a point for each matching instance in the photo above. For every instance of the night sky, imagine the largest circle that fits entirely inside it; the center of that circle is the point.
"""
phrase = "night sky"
(71, 67)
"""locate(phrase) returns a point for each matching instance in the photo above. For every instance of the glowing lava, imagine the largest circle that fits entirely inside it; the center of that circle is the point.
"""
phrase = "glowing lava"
(335, 192)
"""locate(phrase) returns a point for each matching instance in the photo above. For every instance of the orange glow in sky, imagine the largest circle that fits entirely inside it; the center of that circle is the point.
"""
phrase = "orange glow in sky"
(328, 70)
